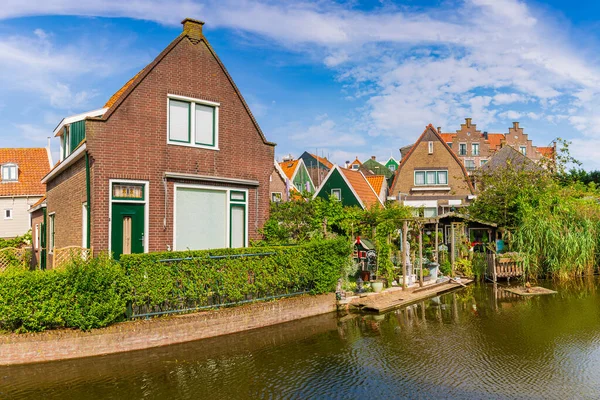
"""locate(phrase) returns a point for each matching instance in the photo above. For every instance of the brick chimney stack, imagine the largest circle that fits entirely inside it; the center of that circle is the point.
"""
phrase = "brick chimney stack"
(515, 125)
(468, 121)
(192, 28)
(373, 158)
(439, 129)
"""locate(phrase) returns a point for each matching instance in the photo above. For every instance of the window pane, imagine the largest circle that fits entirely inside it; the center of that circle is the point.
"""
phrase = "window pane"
(238, 222)
(201, 219)
(430, 212)
(419, 178)
(431, 177)
(336, 194)
(442, 177)
(179, 121)
(204, 125)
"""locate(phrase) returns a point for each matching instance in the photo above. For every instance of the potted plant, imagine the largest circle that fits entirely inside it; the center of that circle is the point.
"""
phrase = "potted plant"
(377, 285)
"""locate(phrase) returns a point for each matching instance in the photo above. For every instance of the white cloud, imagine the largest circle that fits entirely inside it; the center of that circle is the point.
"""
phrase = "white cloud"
(509, 98)
(324, 133)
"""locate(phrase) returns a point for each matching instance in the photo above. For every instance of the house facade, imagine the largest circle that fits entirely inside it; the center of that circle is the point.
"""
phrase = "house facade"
(432, 176)
(350, 187)
(21, 172)
(296, 172)
(279, 184)
(391, 164)
(174, 161)
(318, 167)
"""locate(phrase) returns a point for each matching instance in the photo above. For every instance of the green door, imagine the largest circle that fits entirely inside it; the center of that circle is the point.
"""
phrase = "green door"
(127, 229)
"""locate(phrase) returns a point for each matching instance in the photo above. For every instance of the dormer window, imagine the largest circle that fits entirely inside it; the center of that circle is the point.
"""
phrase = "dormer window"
(10, 173)
(355, 167)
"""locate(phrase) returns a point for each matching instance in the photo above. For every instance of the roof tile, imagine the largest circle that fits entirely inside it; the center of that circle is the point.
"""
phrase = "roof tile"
(361, 186)
(32, 164)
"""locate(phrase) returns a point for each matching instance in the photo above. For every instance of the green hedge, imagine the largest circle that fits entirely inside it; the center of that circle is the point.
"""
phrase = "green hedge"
(85, 295)
(198, 281)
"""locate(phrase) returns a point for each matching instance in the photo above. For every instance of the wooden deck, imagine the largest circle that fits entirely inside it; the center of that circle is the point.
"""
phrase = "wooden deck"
(388, 300)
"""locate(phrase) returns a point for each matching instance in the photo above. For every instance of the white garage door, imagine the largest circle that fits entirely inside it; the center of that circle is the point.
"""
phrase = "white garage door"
(200, 219)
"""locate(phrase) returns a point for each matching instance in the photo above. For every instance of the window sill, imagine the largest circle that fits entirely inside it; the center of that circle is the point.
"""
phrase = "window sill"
(430, 188)
(195, 146)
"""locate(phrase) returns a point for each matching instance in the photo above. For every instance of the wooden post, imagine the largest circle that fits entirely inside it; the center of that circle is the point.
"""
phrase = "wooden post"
(420, 256)
(437, 258)
(452, 256)
(404, 257)
(494, 266)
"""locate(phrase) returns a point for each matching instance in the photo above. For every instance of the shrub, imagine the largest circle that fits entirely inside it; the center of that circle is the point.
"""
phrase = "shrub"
(85, 295)
(195, 279)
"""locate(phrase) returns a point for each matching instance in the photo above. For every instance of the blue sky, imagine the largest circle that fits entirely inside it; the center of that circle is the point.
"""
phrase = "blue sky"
(355, 78)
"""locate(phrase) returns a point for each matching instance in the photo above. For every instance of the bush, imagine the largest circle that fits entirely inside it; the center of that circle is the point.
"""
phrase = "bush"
(197, 279)
(85, 295)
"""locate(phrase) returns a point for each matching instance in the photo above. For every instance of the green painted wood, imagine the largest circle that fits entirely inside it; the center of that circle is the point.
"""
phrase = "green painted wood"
(301, 178)
(136, 212)
(77, 134)
(336, 181)
(43, 240)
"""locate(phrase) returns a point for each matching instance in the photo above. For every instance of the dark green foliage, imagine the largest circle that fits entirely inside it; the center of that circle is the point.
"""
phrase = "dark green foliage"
(85, 295)
(315, 266)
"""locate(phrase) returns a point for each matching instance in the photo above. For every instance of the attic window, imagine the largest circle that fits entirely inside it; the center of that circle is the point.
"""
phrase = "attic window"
(430, 147)
(193, 122)
(355, 167)
(336, 194)
(10, 173)
(523, 150)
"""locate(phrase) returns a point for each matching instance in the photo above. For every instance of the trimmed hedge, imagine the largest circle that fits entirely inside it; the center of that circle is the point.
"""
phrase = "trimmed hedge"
(85, 295)
(95, 293)
(315, 266)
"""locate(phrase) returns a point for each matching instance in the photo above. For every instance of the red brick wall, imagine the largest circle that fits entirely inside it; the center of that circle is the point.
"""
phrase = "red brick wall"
(132, 143)
(37, 218)
(129, 336)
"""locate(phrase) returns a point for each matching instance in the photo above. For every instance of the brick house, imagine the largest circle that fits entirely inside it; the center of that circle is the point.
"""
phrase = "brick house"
(318, 167)
(475, 148)
(432, 176)
(279, 184)
(175, 160)
(21, 172)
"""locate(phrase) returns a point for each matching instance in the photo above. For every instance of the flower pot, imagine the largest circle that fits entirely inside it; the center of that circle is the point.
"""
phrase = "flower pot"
(377, 286)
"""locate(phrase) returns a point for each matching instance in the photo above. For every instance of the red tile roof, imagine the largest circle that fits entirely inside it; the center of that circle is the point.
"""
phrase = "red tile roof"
(356, 162)
(546, 151)
(113, 99)
(495, 140)
(361, 187)
(39, 202)
(289, 167)
(33, 165)
(447, 137)
(376, 181)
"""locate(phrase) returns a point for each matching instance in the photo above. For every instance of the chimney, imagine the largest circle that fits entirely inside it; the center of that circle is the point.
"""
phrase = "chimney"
(468, 121)
(515, 125)
(439, 129)
(192, 28)
(485, 135)
(373, 158)
(347, 164)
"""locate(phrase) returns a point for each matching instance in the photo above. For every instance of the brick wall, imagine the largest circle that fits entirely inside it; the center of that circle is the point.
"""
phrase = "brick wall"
(132, 143)
(37, 219)
(277, 184)
(136, 335)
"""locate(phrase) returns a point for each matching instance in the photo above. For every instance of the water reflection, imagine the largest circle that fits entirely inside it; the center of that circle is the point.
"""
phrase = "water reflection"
(479, 342)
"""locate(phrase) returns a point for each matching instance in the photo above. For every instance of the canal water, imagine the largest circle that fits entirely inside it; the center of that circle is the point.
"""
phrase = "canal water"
(475, 343)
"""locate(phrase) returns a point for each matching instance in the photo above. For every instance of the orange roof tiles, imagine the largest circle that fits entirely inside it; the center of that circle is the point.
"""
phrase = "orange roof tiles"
(447, 137)
(495, 140)
(32, 165)
(356, 162)
(113, 99)
(39, 202)
(323, 161)
(546, 151)
(361, 187)
(376, 181)
(289, 167)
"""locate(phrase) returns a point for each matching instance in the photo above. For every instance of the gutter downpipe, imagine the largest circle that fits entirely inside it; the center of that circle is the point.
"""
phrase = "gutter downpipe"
(88, 196)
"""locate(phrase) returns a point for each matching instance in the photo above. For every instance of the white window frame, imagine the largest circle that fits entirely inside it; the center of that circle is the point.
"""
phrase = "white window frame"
(16, 171)
(355, 167)
(521, 148)
(470, 168)
(337, 190)
(430, 147)
(473, 146)
(8, 213)
(280, 197)
(193, 101)
(225, 189)
(437, 179)
(145, 201)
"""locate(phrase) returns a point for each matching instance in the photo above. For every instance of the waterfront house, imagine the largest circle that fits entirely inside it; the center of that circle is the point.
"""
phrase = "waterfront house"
(350, 187)
(21, 172)
(174, 160)
(431, 176)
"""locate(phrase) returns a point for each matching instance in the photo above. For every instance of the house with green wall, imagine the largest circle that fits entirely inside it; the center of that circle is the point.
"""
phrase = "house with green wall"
(296, 172)
(392, 164)
(350, 187)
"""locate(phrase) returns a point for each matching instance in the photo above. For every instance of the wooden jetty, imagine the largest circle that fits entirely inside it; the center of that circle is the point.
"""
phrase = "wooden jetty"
(388, 300)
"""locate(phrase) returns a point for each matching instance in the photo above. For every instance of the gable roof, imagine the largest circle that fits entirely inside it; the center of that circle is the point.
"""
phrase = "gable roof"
(289, 167)
(363, 191)
(125, 91)
(546, 151)
(509, 154)
(391, 160)
(419, 140)
(377, 168)
(280, 171)
(376, 182)
(322, 160)
(33, 164)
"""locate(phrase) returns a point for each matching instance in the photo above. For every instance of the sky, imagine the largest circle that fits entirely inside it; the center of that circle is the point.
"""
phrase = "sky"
(356, 78)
